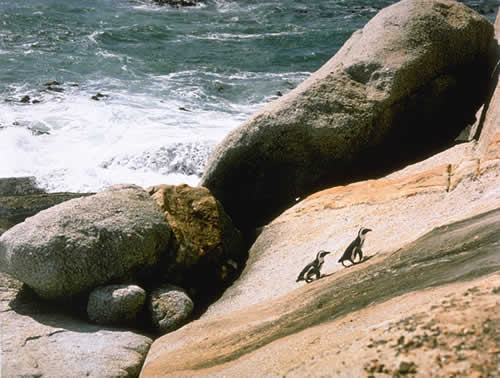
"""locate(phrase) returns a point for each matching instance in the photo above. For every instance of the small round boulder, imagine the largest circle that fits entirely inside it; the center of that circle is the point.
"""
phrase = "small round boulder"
(115, 304)
(170, 307)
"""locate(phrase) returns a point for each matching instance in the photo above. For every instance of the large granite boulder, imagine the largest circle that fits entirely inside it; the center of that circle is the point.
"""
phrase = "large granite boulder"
(115, 304)
(206, 248)
(398, 89)
(457, 183)
(73, 247)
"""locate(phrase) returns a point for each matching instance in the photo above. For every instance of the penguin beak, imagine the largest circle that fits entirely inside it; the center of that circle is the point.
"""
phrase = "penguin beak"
(368, 230)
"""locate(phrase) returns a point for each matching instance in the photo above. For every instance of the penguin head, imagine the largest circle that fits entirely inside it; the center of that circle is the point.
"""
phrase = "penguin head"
(363, 231)
(321, 254)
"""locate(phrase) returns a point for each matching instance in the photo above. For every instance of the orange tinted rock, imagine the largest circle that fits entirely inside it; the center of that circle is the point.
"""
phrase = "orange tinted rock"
(205, 244)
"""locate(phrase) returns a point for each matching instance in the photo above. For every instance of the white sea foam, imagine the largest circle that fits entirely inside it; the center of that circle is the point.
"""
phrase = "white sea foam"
(237, 37)
(93, 35)
(121, 139)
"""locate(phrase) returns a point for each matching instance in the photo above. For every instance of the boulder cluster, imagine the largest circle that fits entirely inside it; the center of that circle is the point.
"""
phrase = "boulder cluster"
(117, 249)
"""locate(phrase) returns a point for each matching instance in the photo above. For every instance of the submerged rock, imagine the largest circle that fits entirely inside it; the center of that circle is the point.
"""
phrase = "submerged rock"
(404, 85)
(98, 96)
(80, 244)
(179, 3)
(170, 307)
(115, 304)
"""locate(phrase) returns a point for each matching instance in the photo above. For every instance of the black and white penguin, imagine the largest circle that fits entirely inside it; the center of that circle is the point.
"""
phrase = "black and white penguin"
(355, 247)
(313, 268)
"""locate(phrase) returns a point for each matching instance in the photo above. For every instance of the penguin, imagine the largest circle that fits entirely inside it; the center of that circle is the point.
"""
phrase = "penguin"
(355, 247)
(313, 268)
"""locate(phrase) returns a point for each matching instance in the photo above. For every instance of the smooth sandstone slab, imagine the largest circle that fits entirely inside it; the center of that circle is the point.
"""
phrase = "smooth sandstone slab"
(455, 253)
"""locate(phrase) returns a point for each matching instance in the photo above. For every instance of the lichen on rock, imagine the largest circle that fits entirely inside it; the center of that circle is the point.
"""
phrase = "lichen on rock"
(206, 247)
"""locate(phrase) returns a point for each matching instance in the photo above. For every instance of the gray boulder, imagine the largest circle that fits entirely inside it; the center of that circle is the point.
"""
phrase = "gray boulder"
(398, 89)
(115, 304)
(170, 308)
(73, 247)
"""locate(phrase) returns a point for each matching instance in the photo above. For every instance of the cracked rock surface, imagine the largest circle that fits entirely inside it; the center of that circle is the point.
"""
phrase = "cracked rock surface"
(40, 340)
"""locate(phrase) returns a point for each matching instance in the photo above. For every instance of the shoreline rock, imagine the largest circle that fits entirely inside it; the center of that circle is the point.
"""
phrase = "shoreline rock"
(425, 301)
(206, 249)
(18, 186)
(69, 249)
(379, 103)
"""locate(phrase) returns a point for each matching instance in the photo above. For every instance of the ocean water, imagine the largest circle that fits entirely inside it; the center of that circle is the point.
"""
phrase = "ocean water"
(99, 92)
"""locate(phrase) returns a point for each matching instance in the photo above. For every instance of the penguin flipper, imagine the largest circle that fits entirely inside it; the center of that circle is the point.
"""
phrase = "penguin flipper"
(347, 255)
(304, 271)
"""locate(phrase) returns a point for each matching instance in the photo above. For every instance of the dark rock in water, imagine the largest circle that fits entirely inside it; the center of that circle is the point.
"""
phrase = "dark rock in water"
(170, 308)
(25, 99)
(37, 131)
(178, 3)
(52, 83)
(18, 186)
(184, 109)
(399, 90)
(55, 89)
(119, 235)
(36, 102)
(486, 6)
(115, 304)
(54, 86)
(36, 128)
(98, 96)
